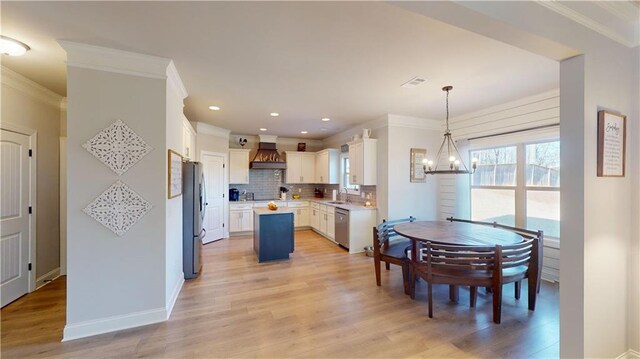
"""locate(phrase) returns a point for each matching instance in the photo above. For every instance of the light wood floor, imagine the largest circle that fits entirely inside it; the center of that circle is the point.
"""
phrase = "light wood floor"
(322, 303)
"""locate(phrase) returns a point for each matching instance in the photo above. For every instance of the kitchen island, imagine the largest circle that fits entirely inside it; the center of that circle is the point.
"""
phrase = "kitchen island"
(273, 233)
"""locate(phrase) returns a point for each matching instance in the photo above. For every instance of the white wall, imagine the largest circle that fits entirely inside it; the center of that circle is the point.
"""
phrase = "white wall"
(634, 254)
(406, 198)
(27, 104)
(174, 275)
(532, 111)
(119, 282)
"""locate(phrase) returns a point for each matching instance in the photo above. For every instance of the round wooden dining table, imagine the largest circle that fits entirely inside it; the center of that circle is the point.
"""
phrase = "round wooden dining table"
(456, 233)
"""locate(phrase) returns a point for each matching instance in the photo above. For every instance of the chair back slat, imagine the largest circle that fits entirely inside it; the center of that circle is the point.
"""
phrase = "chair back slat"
(384, 232)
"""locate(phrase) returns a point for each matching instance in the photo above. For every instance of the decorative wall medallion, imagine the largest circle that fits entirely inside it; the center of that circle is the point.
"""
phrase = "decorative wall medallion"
(118, 208)
(118, 147)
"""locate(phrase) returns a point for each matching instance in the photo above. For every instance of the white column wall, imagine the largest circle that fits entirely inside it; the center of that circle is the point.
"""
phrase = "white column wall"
(118, 282)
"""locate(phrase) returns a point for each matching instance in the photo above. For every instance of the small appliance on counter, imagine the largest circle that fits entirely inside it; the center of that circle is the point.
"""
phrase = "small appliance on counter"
(234, 194)
(317, 193)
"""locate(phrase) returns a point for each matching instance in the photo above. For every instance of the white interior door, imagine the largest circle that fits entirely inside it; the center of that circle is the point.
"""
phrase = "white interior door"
(213, 166)
(14, 216)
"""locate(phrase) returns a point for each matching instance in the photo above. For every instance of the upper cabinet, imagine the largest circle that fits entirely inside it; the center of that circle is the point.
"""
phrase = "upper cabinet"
(188, 140)
(362, 161)
(328, 166)
(238, 166)
(301, 167)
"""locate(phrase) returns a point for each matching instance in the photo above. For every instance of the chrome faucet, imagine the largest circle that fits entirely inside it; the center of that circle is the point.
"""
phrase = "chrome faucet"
(346, 195)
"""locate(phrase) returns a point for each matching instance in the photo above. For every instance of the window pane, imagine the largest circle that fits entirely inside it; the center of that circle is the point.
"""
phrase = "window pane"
(543, 212)
(495, 167)
(491, 205)
(543, 164)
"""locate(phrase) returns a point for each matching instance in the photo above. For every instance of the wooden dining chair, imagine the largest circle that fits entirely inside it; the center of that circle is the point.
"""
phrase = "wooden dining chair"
(478, 266)
(391, 248)
(525, 233)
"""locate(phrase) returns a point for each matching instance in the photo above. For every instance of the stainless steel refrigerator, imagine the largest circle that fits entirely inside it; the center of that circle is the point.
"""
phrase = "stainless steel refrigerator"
(193, 211)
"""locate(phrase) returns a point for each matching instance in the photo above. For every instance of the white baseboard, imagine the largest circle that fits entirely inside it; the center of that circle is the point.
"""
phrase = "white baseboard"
(174, 295)
(112, 324)
(629, 354)
(47, 278)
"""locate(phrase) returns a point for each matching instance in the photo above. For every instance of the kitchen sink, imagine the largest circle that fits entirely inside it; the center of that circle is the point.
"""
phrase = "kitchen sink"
(336, 202)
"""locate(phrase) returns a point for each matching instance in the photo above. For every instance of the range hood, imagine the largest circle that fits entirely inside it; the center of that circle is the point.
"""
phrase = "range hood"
(267, 157)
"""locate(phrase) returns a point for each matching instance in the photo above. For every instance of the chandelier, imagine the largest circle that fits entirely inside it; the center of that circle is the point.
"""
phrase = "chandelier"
(456, 164)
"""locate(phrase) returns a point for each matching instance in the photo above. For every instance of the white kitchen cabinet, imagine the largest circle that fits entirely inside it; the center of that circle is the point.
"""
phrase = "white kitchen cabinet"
(331, 222)
(300, 213)
(322, 226)
(188, 140)
(240, 217)
(362, 161)
(314, 216)
(238, 166)
(328, 166)
(301, 167)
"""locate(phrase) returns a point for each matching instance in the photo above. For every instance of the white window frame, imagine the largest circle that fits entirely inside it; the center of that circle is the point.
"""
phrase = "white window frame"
(355, 189)
(520, 188)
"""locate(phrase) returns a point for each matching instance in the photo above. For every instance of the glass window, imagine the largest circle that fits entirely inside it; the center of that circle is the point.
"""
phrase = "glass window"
(543, 164)
(493, 205)
(543, 212)
(496, 167)
(344, 179)
(532, 202)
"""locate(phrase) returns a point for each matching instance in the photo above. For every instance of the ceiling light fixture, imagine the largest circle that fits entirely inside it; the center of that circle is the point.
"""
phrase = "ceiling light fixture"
(12, 47)
(274, 114)
(304, 132)
(214, 108)
(326, 119)
(456, 165)
(263, 129)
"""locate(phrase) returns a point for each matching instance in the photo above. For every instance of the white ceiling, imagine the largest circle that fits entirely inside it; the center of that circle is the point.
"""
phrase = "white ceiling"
(305, 60)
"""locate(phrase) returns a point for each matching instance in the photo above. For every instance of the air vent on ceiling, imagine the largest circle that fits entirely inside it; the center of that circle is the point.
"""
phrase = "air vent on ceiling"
(414, 82)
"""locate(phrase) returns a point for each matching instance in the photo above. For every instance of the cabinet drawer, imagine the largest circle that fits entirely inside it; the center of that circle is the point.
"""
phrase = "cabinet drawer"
(331, 209)
(315, 205)
(322, 207)
(237, 206)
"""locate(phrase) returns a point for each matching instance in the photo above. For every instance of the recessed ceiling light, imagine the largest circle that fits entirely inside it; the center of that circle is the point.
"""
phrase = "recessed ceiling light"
(304, 132)
(326, 119)
(274, 114)
(12, 47)
(214, 108)
(263, 129)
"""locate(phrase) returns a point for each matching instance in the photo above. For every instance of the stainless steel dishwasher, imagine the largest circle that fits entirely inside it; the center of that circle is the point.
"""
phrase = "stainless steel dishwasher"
(342, 227)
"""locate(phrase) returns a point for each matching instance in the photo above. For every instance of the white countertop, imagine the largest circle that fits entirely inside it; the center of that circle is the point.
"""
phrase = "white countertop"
(264, 210)
(325, 201)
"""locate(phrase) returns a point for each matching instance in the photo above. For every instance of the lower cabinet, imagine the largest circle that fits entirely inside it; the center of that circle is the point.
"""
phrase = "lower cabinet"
(301, 217)
(241, 220)
(314, 216)
(331, 222)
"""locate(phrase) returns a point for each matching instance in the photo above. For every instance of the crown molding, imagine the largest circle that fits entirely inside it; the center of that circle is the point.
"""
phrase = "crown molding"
(294, 141)
(586, 21)
(625, 10)
(413, 122)
(18, 82)
(207, 129)
(346, 135)
(174, 80)
(118, 61)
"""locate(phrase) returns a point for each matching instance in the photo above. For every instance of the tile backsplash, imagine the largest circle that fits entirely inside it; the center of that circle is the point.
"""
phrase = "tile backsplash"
(265, 185)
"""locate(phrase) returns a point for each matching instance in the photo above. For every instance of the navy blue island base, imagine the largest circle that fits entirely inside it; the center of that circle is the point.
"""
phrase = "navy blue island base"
(273, 234)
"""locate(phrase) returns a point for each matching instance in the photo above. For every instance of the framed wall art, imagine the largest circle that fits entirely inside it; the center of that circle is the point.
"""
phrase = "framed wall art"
(612, 144)
(175, 174)
(417, 170)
